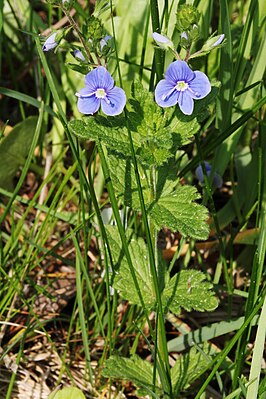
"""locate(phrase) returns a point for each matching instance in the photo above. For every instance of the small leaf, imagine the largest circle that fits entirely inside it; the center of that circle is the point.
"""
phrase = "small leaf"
(189, 367)
(188, 290)
(177, 212)
(123, 280)
(68, 393)
(135, 369)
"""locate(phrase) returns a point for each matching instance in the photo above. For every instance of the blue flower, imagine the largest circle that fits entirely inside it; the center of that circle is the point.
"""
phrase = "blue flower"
(181, 85)
(217, 179)
(100, 91)
(50, 43)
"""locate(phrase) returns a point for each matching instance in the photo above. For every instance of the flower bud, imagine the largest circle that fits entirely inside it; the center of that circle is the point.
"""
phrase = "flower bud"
(184, 40)
(212, 42)
(186, 16)
(163, 41)
(79, 55)
(95, 29)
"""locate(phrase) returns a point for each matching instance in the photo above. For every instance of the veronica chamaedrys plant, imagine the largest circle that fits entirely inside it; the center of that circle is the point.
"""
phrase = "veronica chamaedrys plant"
(100, 91)
(182, 85)
(50, 43)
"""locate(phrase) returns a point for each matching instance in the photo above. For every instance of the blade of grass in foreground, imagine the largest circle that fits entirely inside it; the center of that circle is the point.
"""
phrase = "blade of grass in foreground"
(84, 329)
(255, 370)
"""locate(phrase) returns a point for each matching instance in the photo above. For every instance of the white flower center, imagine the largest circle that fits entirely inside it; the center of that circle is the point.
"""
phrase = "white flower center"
(181, 85)
(100, 93)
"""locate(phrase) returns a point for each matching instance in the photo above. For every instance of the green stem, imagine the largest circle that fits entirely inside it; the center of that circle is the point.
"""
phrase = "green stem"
(81, 38)
(158, 53)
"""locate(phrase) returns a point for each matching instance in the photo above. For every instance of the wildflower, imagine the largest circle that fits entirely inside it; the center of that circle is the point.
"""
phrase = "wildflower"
(50, 43)
(181, 85)
(217, 179)
(162, 41)
(100, 91)
(79, 55)
(104, 41)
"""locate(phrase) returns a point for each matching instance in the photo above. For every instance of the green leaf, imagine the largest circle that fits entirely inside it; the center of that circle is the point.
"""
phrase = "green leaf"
(124, 180)
(14, 149)
(177, 212)
(189, 367)
(123, 280)
(135, 369)
(188, 290)
(67, 393)
(111, 132)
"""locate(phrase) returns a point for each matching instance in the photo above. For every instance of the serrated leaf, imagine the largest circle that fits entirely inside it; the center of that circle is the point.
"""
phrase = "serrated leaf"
(189, 367)
(124, 181)
(123, 280)
(188, 290)
(111, 132)
(135, 369)
(181, 128)
(177, 212)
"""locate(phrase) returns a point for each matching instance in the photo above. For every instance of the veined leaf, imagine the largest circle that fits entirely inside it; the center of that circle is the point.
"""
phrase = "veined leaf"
(189, 367)
(135, 369)
(188, 290)
(14, 149)
(177, 212)
(123, 280)
(124, 181)
(111, 132)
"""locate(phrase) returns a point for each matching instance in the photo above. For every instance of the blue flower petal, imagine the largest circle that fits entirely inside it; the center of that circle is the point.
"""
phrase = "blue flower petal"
(165, 94)
(114, 102)
(88, 105)
(200, 86)
(185, 102)
(179, 70)
(85, 92)
(99, 78)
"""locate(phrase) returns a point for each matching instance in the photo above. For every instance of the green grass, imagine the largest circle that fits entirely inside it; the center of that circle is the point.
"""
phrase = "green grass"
(50, 214)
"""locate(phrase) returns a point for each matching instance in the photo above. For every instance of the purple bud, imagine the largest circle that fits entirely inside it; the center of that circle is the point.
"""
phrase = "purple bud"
(78, 54)
(218, 41)
(104, 41)
(50, 43)
(162, 41)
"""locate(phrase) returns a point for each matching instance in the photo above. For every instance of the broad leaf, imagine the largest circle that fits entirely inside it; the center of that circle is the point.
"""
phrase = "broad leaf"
(14, 149)
(189, 367)
(135, 369)
(67, 393)
(177, 212)
(188, 290)
(111, 132)
(123, 280)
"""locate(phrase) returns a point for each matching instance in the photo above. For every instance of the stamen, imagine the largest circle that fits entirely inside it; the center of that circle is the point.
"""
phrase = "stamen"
(85, 95)
(195, 93)
(167, 95)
